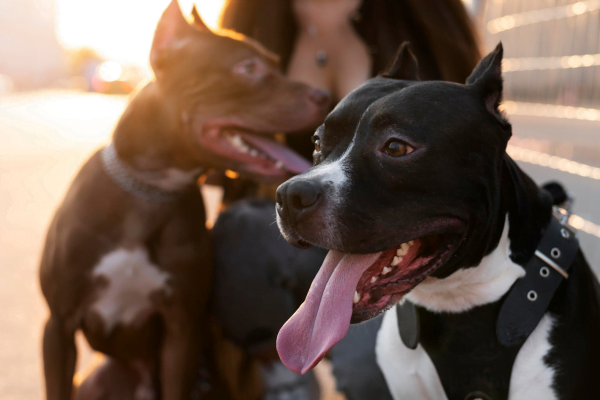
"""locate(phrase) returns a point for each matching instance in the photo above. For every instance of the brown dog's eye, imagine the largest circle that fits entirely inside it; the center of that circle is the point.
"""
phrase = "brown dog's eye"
(252, 69)
(397, 149)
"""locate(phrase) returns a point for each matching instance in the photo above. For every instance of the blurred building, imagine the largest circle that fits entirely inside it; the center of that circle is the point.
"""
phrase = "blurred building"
(552, 55)
(29, 50)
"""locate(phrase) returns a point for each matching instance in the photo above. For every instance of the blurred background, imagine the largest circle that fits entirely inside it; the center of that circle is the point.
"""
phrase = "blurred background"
(66, 67)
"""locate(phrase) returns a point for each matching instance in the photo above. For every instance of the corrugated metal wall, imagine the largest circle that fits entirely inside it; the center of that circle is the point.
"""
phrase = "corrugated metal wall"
(552, 55)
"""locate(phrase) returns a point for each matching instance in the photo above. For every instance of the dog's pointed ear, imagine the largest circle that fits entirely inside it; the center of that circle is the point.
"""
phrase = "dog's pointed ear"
(172, 29)
(404, 66)
(198, 23)
(486, 78)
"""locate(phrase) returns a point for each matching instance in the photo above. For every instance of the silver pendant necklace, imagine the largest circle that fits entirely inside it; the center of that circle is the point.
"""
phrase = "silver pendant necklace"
(321, 56)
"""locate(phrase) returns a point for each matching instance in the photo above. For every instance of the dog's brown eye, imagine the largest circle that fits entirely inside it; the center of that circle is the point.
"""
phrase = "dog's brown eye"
(317, 142)
(317, 145)
(250, 67)
(396, 149)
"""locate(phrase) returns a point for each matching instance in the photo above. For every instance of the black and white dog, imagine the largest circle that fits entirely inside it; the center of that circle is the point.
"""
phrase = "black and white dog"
(413, 193)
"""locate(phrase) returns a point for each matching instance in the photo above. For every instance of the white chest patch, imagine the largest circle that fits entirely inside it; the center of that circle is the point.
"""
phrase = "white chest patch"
(410, 374)
(531, 377)
(131, 279)
(471, 287)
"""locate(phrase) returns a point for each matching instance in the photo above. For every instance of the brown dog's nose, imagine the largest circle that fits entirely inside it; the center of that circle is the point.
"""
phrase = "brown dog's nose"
(294, 197)
(320, 97)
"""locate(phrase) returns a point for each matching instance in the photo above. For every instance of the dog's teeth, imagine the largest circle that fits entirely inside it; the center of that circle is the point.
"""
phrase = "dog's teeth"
(253, 153)
(397, 260)
(403, 249)
(279, 164)
(356, 298)
(237, 142)
(411, 242)
(374, 279)
(385, 271)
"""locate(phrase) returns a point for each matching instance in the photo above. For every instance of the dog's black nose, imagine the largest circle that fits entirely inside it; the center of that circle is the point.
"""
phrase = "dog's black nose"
(303, 194)
(297, 196)
(320, 97)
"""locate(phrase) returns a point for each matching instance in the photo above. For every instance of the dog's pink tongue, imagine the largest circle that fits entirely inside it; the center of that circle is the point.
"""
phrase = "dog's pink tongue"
(292, 161)
(324, 317)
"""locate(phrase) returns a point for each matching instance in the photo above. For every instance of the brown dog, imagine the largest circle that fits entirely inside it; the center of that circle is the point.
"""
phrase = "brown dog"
(127, 257)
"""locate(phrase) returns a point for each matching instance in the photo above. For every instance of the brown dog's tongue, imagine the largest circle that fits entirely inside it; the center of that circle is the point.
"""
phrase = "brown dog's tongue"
(324, 317)
(292, 161)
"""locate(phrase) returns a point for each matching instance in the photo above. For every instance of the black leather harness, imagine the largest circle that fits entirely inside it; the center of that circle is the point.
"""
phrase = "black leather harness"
(528, 299)
(530, 296)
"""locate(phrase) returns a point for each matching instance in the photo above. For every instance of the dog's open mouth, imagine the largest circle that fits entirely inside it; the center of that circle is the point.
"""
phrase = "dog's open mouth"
(353, 288)
(396, 272)
(253, 152)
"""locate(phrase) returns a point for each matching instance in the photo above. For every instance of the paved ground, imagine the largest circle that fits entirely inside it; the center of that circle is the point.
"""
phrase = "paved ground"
(44, 138)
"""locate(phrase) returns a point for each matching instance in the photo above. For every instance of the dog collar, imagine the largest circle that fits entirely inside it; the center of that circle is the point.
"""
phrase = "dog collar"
(530, 296)
(121, 176)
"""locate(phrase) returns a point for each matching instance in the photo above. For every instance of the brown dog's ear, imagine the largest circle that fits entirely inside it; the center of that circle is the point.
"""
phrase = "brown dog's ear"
(486, 78)
(171, 30)
(404, 66)
(198, 23)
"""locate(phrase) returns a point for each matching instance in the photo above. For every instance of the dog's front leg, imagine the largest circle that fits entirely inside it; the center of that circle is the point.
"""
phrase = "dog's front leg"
(180, 355)
(60, 355)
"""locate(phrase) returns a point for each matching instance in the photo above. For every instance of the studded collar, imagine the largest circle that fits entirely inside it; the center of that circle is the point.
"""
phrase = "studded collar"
(121, 176)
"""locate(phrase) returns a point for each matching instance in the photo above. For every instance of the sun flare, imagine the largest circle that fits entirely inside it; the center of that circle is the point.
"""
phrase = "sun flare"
(121, 30)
